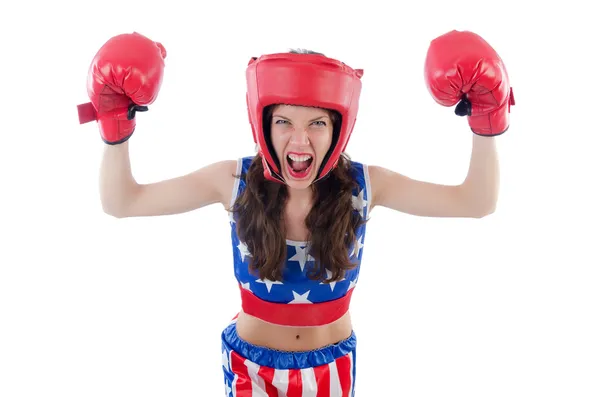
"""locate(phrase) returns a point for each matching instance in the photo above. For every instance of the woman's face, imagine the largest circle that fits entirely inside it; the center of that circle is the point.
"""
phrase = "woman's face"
(301, 137)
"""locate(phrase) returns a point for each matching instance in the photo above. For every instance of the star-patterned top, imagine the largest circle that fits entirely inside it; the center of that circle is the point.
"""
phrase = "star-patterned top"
(296, 287)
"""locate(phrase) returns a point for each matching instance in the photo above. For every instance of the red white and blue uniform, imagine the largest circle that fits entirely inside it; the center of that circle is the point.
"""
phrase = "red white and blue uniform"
(296, 300)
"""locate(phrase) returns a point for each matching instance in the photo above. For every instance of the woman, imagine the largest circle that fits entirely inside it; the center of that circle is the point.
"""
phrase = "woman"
(299, 208)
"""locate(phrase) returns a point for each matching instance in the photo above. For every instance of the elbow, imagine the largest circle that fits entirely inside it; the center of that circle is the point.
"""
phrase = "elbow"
(113, 211)
(480, 215)
(478, 204)
(116, 205)
(484, 211)
(115, 215)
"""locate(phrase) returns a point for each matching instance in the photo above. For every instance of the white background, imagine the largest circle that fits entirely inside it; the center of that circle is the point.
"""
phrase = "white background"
(503, 306)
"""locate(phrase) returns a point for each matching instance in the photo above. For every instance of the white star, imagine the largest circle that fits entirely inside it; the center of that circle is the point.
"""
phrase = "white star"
(359, 202)
(301, 257)
(356, 249)
(225, 359)
(231, 217)
(269, 283)
(333, 283)
(352, 284)
(301, 298)
(227, 389)
(243, 250)
(246, 286)
(360, 244)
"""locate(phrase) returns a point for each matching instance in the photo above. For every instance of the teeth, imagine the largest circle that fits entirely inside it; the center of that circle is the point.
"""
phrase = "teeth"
(295, 157)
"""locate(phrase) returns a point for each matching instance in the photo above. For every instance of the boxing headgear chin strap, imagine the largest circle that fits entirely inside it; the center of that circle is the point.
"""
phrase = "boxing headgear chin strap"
(302, 80)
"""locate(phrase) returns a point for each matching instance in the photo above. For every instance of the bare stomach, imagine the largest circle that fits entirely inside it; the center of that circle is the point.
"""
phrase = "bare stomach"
(286, 338)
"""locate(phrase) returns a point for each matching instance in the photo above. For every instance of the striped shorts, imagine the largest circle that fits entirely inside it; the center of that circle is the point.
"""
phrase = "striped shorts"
(255, 371)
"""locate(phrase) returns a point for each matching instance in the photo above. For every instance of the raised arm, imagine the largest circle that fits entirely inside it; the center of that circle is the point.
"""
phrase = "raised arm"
(124, 78)
(122, 196)
(461, 69)
(475, 198)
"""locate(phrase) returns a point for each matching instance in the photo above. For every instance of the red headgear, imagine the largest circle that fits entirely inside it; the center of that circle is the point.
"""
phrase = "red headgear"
(303, 80)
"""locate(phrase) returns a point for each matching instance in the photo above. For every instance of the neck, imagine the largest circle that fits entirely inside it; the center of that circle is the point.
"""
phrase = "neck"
(301, 195)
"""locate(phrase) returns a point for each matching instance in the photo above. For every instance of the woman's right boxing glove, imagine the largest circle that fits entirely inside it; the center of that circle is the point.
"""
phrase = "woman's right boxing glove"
(124, 77)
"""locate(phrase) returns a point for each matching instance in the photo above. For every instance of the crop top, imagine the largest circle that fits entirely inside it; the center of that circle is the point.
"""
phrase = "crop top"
(297, 300)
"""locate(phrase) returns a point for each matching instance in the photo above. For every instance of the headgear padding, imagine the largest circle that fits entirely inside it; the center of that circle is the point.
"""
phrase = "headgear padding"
(303, 80)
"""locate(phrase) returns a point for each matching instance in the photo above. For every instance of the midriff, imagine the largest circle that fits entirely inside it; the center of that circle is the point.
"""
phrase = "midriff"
(292, 338)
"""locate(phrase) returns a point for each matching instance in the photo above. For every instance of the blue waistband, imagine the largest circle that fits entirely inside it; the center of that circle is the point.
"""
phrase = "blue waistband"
(278, 359)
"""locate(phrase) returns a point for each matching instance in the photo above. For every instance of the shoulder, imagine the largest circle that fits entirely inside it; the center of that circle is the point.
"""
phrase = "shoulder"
(243, 164)
(372, 180)
(239, 169)
(379, 177)
(360, 173)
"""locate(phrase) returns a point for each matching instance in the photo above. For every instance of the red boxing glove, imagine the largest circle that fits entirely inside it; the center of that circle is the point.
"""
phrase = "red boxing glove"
(463, 68)
(125, 76)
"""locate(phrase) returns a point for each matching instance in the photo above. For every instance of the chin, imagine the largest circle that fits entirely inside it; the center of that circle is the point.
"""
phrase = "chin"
(298, 185)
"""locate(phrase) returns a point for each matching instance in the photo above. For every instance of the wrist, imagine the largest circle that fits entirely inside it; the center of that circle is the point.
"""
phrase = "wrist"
(115, 127)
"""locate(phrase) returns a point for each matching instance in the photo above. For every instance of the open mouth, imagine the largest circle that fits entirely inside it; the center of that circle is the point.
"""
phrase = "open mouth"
(299, 165)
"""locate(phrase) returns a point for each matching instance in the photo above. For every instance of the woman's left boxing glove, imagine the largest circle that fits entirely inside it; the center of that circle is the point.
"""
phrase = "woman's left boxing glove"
(463, 69)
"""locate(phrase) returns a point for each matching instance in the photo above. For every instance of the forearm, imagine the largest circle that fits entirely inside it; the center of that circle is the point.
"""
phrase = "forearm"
(117, 184)
(481, 184)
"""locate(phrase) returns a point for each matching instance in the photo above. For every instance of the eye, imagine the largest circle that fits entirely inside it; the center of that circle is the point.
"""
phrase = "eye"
(280, 121)
(322, 123)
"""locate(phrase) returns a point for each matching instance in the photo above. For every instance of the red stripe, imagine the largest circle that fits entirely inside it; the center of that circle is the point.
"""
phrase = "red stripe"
(267, 374)
(344, 368)
(297, 314)
(242, 384)
(322, 375)
(294, 383)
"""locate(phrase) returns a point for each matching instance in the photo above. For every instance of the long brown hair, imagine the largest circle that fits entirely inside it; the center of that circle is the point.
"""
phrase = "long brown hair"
(332, 221)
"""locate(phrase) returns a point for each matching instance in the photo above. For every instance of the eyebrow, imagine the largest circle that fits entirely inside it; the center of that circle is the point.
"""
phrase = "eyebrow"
(315, 119)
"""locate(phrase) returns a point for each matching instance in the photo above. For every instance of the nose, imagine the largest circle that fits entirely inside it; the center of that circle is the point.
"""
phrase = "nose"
(299, 136)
